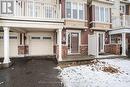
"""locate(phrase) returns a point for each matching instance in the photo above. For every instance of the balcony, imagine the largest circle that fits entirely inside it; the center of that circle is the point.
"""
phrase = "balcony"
(31, 9)
(125, 1)
(121, 22)
(106, 1)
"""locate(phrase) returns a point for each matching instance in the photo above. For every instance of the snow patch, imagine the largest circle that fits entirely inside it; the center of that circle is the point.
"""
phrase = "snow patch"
(93, 76)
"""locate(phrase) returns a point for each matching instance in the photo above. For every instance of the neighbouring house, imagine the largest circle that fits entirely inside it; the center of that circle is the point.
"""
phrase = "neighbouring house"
(99, 24)
(109, 25)
(63, 28)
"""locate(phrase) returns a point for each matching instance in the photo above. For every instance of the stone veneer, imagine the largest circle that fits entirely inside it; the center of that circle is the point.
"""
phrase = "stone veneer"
(23, 50)
(64, 51)
(84, 50)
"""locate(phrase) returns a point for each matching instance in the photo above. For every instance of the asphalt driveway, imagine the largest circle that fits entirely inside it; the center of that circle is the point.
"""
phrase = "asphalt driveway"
(30, 73)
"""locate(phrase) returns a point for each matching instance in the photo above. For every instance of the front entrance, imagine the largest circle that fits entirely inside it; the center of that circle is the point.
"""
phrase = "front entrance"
(73, 42)
(101, 42)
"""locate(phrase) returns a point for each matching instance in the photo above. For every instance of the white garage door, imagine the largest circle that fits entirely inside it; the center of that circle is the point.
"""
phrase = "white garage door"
(41, 45)
(13, 44)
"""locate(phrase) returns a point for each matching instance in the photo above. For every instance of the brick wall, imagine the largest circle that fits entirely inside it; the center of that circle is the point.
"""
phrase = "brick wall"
(113, 49)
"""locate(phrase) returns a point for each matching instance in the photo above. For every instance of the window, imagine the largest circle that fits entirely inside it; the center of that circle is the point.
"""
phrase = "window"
(74, 10)
(13, 37)
(30, 8)
(37, 9)
(48, 12)
(46, 37)
(68, 9)
(97, 13)
(35, 37)
(107, 15)
(122, 8)
(102, 14)
(1, 37)
(81, 13)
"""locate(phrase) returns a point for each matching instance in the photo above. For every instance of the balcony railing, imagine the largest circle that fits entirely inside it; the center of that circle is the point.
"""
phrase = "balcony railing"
(121, 22)
(33, 9)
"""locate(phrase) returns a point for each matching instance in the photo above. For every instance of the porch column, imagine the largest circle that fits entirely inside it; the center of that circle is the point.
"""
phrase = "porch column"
(6, 45)
(97, 42)
(109, 39)
(60, 44)
(22, 39)
(123, 44)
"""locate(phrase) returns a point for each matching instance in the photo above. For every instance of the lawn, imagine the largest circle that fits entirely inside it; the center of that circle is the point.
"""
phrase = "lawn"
(99, 73)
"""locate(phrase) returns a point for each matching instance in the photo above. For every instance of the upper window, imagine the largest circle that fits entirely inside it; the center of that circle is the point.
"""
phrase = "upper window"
(30, 8)
(102, 14)
(122, 8)
(68, 9)
(81, 11)
(97, 13)
(74, 10)
(37, 10)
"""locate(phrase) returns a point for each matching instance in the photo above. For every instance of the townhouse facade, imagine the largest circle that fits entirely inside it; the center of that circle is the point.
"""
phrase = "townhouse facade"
(62, 28)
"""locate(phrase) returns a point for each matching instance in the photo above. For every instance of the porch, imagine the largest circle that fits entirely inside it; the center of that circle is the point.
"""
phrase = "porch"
(122, 37)
(100, 46)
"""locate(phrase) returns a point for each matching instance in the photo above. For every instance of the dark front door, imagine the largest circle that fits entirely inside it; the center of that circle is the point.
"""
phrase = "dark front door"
(74, 42)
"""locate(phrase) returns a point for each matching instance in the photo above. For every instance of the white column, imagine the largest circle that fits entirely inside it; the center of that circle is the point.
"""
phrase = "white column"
(60, 44)
(124, 21)
(109, 39)
(97, 42)
(6, 44)
(22, 39)
(123, 44)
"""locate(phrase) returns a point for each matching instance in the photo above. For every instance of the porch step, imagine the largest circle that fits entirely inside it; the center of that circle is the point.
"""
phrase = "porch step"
(42, 57)
(75, 58)
(111, 57)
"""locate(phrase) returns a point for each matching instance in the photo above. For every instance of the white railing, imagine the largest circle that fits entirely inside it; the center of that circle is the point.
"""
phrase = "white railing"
(35, 9)
(121, 22)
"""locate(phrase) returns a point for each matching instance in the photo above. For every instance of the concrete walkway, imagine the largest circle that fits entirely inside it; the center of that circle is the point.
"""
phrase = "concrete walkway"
(30, 73)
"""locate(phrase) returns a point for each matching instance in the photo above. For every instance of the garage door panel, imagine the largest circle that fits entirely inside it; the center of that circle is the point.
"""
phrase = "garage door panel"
(41, 45)
(13, 45)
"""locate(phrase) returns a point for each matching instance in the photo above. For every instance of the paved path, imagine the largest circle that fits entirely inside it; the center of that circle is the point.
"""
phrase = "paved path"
(30, 73)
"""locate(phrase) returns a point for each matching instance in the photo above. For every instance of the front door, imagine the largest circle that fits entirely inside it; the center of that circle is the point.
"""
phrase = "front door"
(101, 43)
(73, 43)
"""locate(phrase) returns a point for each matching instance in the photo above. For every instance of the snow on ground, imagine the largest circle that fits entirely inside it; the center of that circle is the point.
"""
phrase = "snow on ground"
(93, 76)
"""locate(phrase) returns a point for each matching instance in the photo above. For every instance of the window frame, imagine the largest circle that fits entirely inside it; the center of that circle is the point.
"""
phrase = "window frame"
(106, 15)
(72, 8)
